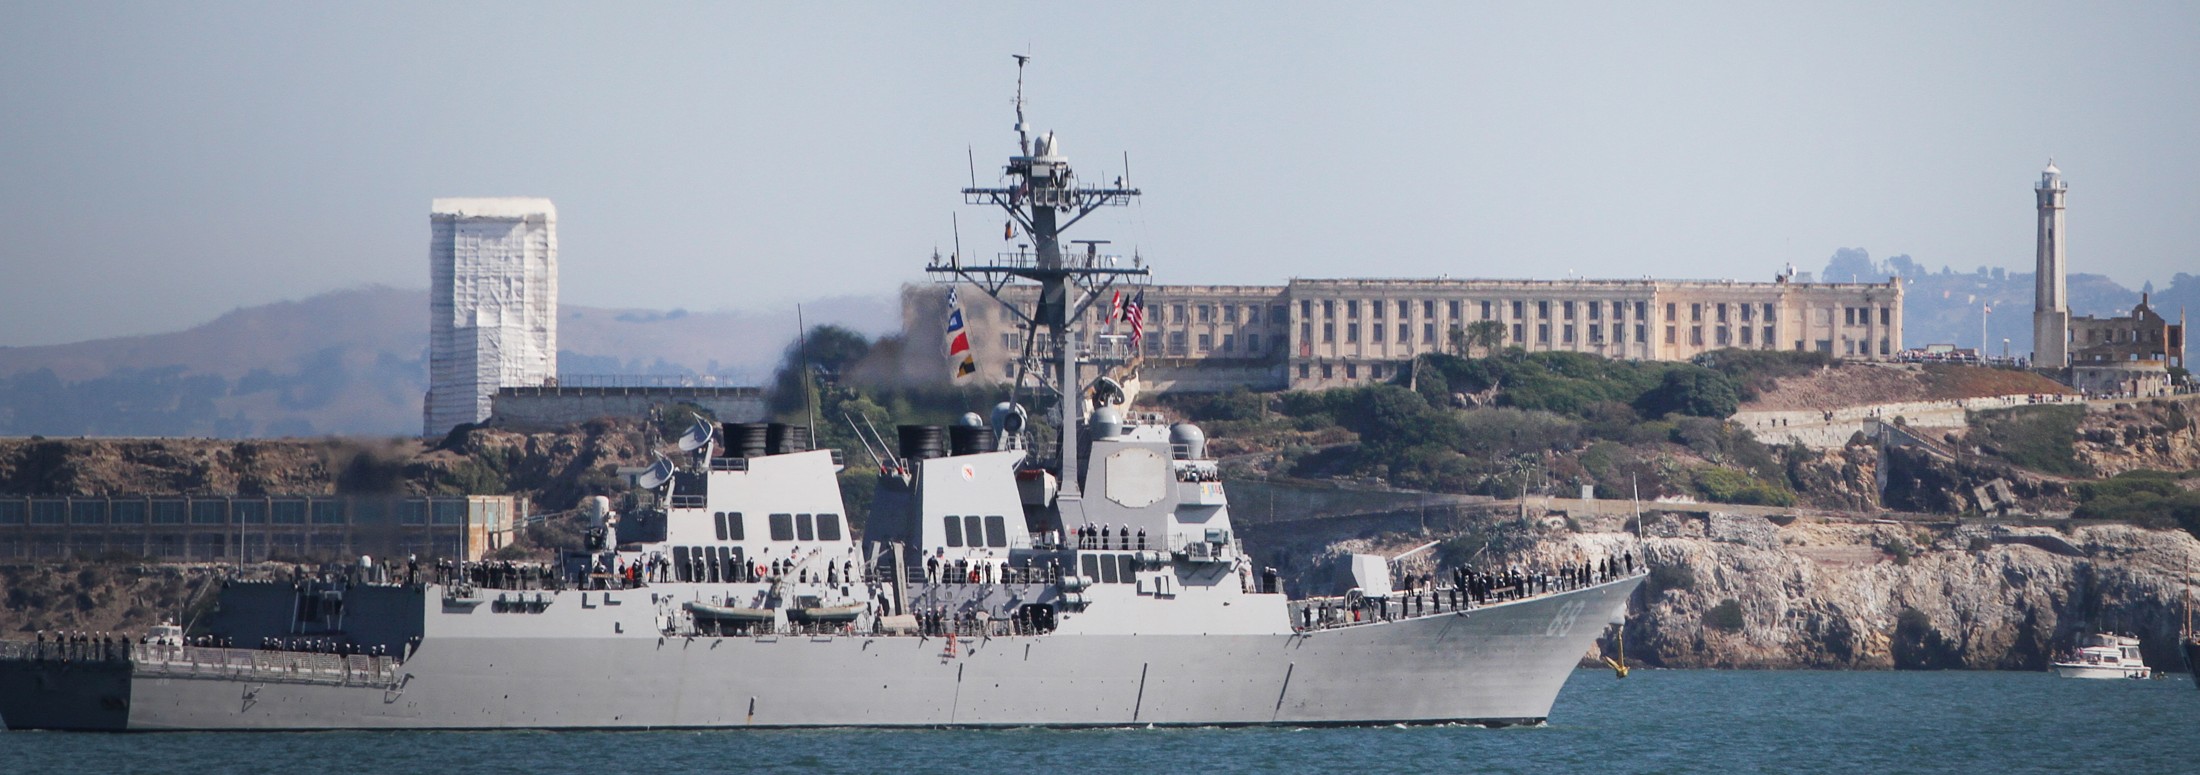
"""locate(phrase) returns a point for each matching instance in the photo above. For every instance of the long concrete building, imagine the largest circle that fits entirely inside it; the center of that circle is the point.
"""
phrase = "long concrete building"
(1320, 333)
(254, 528)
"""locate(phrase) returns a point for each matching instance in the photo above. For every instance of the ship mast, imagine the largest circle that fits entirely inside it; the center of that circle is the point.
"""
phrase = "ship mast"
(1043, 198)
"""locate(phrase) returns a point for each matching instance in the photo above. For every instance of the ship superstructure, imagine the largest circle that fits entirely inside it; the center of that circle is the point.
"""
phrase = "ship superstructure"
(999, 581)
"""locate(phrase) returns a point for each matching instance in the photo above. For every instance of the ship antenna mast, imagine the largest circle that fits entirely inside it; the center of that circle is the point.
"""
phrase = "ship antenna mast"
(1023, 137)
(1043, 199)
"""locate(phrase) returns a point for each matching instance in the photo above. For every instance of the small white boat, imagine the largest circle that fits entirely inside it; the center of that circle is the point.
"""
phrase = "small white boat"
(2105, 655)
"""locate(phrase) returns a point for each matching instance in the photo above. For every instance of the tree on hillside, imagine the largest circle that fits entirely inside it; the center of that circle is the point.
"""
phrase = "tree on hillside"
(1850, 265)
(1690, 390)
(1485, 334)
(827, 350)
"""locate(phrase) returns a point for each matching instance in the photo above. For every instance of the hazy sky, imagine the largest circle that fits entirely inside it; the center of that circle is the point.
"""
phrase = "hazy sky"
(161, 163)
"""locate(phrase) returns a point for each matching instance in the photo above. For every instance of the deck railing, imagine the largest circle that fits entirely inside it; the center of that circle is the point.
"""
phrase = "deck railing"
(202, 662)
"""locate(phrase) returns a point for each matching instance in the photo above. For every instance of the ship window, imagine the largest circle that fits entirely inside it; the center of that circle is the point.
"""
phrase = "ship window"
(996, 531)
(680, 562)
(1129, 567)
(1092, 566)
(804, 529)
(973, 530)
(828, 527)
(1107, 571)
(954, 530)
(711, 557)
(733, 525)
(782, 527)
(719, 520)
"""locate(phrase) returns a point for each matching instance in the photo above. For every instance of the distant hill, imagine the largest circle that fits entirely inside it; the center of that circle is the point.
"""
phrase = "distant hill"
(1943, 306)
(354, 362)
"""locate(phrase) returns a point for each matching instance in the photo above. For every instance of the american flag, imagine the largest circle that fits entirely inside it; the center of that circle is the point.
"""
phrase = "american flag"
(1135, 312)
(1115, 310)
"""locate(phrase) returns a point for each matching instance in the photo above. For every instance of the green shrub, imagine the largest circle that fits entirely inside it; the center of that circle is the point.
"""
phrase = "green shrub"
(1754, 371)
(2152, 499)
(1690, 390)
(2041, 438)
(1727, 485)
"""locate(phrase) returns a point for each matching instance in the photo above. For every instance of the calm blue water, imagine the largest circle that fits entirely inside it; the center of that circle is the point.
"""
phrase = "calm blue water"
(1679, 721)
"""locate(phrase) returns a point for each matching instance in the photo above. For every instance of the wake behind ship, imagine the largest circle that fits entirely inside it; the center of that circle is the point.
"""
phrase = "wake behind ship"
(1003, 580)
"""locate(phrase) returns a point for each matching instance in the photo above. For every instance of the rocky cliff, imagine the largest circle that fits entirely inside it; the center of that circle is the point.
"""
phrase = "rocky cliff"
(2159, 435)
(1900, 595)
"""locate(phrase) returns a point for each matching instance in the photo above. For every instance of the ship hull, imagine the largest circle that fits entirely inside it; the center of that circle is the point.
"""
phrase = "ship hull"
(2102, 671)
(1501, 664)
(2190, 649)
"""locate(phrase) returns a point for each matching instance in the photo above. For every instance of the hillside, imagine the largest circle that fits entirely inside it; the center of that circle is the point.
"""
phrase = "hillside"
(552, 469)
(1946, 306)
(354, 363)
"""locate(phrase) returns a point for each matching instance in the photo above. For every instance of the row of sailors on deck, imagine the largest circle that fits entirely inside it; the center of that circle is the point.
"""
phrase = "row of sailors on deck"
(503, 574)
(1097, 537)
(963, 571)
(321, 646)
(620, 573)
(1419, 595)
(70, 645)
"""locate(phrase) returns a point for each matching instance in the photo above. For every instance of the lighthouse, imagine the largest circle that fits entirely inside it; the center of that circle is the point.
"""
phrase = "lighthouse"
(2050, 295)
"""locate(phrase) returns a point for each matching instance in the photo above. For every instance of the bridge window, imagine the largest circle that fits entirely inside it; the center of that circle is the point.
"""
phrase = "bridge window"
(1128, 573)
(680, 567)
(733, 525)
(782, 527)
(1107, 571)
(718, 520)
(804, 528)
(996, 532)
(1092, 566)
(954, 530)
(973, 530)
(828, 527)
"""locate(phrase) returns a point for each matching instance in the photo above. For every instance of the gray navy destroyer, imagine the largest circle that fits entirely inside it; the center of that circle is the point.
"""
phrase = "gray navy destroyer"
(1003, 579)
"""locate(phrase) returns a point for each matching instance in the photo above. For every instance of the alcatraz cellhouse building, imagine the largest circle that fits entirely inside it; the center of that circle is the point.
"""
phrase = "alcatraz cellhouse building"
(1322, 333)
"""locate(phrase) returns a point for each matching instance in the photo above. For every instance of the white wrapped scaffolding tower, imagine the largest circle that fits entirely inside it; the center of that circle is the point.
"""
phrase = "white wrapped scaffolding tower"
(493, 304)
